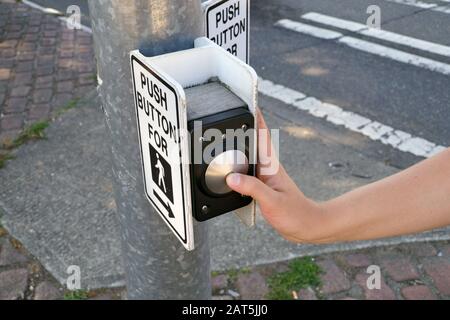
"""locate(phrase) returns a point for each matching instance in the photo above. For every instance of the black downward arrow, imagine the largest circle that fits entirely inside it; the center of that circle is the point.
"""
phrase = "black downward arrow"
(166, 206)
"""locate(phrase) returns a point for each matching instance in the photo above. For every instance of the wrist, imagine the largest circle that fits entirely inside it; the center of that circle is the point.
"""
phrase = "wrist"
(321, 229)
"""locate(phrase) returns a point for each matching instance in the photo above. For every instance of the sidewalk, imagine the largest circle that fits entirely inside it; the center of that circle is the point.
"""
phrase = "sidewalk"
(59, 203)
(409, 272)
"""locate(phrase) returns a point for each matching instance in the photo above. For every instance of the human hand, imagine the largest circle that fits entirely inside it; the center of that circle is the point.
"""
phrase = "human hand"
(282, 203)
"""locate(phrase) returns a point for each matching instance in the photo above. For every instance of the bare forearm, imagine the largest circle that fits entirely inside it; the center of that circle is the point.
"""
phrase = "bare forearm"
(413, 200)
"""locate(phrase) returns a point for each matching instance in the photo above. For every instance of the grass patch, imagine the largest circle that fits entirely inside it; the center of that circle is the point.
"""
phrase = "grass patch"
(69, 105)
(302, 273)
(76, 295)
(5, 157)
(33, 132)
(234, 273)
(94, 78)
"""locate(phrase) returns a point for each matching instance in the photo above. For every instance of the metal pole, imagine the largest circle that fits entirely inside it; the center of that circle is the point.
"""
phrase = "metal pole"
(156, 264)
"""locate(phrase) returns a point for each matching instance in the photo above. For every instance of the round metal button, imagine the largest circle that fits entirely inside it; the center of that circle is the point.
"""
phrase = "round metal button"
(232, 161)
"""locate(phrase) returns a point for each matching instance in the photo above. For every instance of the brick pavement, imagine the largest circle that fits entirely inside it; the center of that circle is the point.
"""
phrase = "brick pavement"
(43, 66)
(418, 271)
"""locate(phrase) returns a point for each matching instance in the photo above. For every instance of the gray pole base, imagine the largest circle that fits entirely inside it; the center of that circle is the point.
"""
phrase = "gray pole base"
(156, 265)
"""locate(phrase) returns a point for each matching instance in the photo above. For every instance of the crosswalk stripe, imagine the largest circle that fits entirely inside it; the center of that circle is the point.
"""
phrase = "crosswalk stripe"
(308, 29)
(53, 11)
(378, 33)
(424, 5)
(366, 46)
(387, 135)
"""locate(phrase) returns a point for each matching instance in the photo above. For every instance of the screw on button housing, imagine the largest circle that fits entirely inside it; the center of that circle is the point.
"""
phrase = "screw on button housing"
(205, 209)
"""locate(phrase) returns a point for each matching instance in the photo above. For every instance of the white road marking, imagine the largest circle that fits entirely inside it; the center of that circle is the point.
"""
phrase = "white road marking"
(424, 5)
(374, 130)
(379, 34)
(366, 46)
(308, 29)
(53, 11)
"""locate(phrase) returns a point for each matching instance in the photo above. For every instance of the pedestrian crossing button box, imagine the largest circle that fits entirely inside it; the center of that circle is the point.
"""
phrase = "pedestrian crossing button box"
(221, 131)
(173, 93)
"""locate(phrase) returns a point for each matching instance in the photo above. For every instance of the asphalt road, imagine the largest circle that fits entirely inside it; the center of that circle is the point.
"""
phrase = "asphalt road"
(399, 95)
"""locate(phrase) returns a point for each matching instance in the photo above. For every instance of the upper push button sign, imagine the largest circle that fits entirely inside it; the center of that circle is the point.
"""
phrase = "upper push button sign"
(227, 24)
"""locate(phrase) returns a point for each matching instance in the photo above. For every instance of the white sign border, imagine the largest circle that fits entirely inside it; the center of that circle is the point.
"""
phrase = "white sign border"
(188, 241)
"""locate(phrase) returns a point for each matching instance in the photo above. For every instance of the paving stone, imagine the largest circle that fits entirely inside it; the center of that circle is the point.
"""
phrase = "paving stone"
(39, 112)
(384, 293)
(46, 50)
(82, 90)
(25, 56)
(15, 105)
(65, 63)
(34, 29)
(439, 270)
(45, 71)
(13, 284)
(27, 46)
(48, 42)
(306, 294)
(87, 79)
(424, 250)
(44, 82)
(5, 74)
(222, 298)
(24, 66)
(47, 60)
(65, 74)
(68, 36)
(50, 34)
(358, 260)
(65, 53)
(219, 282)
(22, 91)
(13, 35)
(7, 137)
(11, 122)
(10, 256)
(400, 269)
(8, 44)
(65, 86)
(105, 297)
(334, 279)
(252, 286)
(23, 78)
(418, 293)
(7, 63)
(84, 67)
(60, 100)
(445, 250)
(7, 53)
(47, 291)
(42, 95)
(31, 37)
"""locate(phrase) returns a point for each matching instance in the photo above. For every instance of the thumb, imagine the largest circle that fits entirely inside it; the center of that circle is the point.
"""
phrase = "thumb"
(253, 187)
